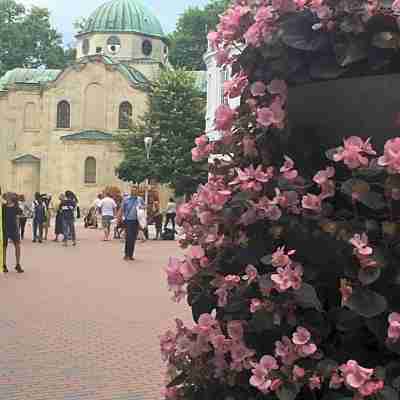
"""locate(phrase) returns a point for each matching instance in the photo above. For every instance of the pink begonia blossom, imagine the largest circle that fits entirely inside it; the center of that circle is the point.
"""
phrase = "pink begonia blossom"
(232, 280)
(196, 252)
(241, 356)
(222, 295)
(288, 277)
(323, 12)
(235, 330)
(345, 290)
(371, 388)
(354, 375)
(394, 326)
(214, 38)
(301, 336)
(336, 381)
(249, 146)
(187, 269)
(251, 179)
(234, 87)
(170, 393)
(314, 382)
(230, 22)
(288, 200)
(391, 156)
(206, 217)
(298, 372)
(323, 176)
(167, 344)
(204, 262)
(281, 258)
(354, 151)
(260, 373)
(258, 89)
(285, 350)
(278, 87)
(256, 305)
(288, 170)
(205, 325)
(223, 57)
(396, 7)
(312, 202)
(251, 274)
(284, 6)
(224, 117)
(274, 115)
(360, 242)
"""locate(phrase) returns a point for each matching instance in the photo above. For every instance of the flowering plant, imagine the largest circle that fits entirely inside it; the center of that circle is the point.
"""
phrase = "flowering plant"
(293, 278)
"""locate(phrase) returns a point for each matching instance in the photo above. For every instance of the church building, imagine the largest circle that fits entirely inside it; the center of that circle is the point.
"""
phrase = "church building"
(57, 127)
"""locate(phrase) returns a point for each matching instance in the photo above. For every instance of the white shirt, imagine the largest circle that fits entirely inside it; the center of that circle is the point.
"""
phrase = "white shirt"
(97, 203)
(108, 205)
(171, 208)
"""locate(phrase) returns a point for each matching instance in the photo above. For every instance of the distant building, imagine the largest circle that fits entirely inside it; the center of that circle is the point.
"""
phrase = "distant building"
(57, 127)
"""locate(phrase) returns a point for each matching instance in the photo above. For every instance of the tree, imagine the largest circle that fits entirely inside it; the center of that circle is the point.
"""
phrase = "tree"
(189, 40)
(27, 38)
(174, 118)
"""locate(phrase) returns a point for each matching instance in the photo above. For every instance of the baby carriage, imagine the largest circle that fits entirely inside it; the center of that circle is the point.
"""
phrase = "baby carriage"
(90, 219)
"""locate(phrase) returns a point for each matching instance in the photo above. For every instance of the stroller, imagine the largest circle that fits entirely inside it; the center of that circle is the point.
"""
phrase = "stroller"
(90, 219)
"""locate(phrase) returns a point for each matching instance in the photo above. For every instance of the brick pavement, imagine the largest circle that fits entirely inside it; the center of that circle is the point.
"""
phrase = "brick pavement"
(82, 324)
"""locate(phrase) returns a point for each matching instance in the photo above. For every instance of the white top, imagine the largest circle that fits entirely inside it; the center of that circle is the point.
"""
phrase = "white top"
(171, 208)
(108, 206)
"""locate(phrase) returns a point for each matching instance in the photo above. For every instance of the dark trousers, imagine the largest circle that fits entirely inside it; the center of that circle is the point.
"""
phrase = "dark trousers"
(37, 227)
(170, 217)
(22, 224)
(132, 228)
(69, 229)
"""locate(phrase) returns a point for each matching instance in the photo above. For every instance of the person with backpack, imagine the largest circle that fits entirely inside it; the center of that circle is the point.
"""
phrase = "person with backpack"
(68, 206)
(38, 219)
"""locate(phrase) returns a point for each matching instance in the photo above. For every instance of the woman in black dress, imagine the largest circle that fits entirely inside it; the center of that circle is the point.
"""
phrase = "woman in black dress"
(59, 221)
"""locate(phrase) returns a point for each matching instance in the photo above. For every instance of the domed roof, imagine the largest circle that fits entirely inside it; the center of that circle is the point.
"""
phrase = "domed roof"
(124, 16)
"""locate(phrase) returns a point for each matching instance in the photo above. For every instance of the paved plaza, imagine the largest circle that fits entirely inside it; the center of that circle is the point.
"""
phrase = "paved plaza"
(82, 324)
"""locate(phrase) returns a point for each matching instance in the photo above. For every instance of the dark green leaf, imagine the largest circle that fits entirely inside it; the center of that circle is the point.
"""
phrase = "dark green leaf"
(306, 297)
(178, 380)
(366, 303)
(262, 321)
(368, 275)
(267, 260)
(287, 392)
(388, 393)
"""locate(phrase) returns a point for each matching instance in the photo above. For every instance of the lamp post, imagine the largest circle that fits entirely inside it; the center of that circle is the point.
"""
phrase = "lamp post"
(148, 141)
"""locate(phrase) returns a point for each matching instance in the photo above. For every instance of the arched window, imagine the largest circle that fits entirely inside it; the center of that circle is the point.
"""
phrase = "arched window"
(63, 115)
(90, 170)
(125, 112)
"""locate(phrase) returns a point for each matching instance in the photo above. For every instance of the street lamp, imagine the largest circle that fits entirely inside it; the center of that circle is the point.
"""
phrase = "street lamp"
(148, 141)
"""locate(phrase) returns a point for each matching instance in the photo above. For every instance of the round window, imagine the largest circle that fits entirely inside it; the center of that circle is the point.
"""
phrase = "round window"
(113, 44)
(85, 46)
(147, 47)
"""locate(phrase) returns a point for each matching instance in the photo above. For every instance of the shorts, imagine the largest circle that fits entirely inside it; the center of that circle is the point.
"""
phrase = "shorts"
(106, 220)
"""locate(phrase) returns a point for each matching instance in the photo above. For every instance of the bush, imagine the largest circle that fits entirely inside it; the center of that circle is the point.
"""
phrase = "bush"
(293, 280)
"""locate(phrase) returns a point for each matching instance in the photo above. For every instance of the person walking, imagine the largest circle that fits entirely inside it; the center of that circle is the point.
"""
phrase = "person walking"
(68, 206)
(170, 214)
(58, 226)
(38, 209)
(23, 218)
(129, 212)
(48, 214)
(97, 209)
(10, 214)
(157, 219)
(108, 208)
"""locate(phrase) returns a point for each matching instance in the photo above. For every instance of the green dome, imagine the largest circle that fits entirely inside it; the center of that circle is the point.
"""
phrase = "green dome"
(124, 16)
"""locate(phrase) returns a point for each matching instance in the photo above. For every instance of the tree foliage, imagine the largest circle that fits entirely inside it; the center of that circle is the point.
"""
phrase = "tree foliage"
(174, 118)
(27, 38)
(189, 40)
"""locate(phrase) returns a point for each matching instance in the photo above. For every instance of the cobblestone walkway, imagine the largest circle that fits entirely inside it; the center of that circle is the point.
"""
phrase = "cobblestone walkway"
(82, 324)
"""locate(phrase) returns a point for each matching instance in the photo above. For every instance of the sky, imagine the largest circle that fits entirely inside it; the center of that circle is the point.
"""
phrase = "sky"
(65, 12)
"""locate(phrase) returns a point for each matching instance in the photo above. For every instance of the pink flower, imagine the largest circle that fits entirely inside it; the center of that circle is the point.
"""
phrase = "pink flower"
(354, 375)
(232, 280)
(280, 258)
(224, 117)
(336, 381)
(220, 343)
(251, 179)
(394, 326)
(258, 89)
(314, 382)
(301, 336)
(346, 291)
(167, 344)
(396, 7)
(256, 305)
(260, 378)
(235, 330)
(323, 176)
(371, 387)
(174, 275)
(205, 325)
(312, 202)
(223, 57)
(222, 295)
(273, 115)
(196, 252)
(269, 363)
(187, 269)
(360, 242)
(214, 38)
(278, 87)
(353, 152)
(287, 169)
(234, 87)
(288, 277)
(298, 372)
(391, 156)
(286, 351)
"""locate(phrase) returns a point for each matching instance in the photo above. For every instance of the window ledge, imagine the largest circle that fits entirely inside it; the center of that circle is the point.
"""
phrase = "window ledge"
(64, 129)
(90, 184)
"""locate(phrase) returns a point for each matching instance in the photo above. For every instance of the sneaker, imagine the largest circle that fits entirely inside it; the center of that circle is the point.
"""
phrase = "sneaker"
(19, 269)
(40, 241)
(34, 241)
(126, 258)
(5, 269)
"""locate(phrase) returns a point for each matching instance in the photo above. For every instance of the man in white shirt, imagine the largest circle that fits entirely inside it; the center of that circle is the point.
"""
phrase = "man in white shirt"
(97, 210)
(108, 209)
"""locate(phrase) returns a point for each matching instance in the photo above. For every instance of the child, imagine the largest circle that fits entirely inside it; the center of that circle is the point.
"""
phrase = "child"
(11, 212)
